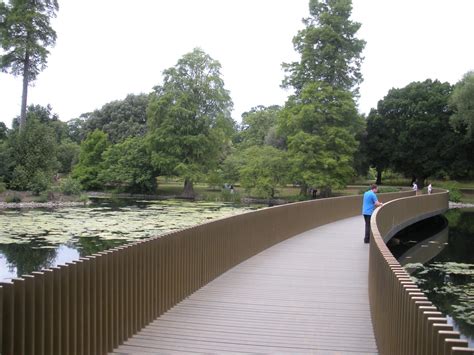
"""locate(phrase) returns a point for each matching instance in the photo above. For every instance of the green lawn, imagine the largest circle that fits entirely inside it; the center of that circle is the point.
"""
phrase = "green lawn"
(167, 187)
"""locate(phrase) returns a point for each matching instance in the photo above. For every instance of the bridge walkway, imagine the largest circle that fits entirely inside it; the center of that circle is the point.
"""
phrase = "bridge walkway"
(306, 295)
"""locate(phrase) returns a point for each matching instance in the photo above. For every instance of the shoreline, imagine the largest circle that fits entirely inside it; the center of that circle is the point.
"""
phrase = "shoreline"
(49, 204)
(460, 205)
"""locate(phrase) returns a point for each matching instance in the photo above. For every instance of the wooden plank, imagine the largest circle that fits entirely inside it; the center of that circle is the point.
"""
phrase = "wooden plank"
(308, 294)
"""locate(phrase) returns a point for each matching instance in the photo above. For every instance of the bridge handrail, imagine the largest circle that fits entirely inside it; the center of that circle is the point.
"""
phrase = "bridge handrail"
(92, 305)
(404, 320)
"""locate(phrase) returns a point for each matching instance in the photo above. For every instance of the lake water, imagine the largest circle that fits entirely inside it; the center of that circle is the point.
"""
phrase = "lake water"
(442, 264)
(32, 239)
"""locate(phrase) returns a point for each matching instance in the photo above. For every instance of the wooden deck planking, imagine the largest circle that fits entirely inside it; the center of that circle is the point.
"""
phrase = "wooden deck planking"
(308, 294)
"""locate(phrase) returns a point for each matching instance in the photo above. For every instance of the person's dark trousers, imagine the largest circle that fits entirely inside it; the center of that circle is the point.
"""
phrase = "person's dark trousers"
(367, 228)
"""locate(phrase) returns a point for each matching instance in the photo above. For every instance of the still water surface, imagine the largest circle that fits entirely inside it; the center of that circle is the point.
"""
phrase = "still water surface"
(40, 238)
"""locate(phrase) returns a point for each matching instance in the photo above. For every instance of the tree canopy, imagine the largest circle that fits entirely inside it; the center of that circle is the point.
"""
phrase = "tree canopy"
(189, 119)
(25, 35)
(320, 127)
(417, 117)
(329, 49)
(127, 167)
(91, 157)
(462, 103)
(120, 119)
(259, 126)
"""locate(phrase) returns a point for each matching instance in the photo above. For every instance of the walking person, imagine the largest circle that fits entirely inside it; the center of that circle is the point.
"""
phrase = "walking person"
(430, 189)
(370, 202)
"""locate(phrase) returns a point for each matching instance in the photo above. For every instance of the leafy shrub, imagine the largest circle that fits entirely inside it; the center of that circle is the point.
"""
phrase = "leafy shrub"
(455, 195)
(19, 178)
(70, 186)
(40, 182)
(454, 192)
(3, 187)
(15, 198)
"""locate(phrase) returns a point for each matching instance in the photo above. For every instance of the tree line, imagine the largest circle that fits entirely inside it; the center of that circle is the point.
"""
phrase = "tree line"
(184, 127)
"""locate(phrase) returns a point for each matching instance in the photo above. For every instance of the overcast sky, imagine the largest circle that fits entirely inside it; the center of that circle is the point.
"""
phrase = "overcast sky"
(107, 49)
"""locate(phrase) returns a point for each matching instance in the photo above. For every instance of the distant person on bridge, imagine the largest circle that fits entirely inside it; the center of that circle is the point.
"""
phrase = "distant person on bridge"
(370, 202)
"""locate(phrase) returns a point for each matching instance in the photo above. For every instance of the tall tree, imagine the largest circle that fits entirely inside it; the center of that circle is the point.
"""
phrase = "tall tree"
(329, 49)
(379, 141)
(320, 120)
(189, 119)
(25, 35)
(418, 117)
(320, 127)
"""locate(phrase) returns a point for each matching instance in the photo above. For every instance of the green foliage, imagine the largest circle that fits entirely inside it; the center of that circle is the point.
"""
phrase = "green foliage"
(120, 119)
(259, 127)
(329, 50)
(189, 119)
(264, 169)
(127, 166)
(33, 157)
(90, 160)
(379, 143)
(229, 196)
(416, 128)
(215, 179)
(39, 182)
(76, 128)
(320, 127)
(68, 155)
(70, 186)
(6, 161)
(455, 194)
(25, 34)
(3, 131)
(3, 187)
(462, 102)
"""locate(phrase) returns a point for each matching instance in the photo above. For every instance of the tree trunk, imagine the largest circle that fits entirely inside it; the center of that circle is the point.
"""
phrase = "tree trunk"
(188, 191)
(24, 96)
(421, 183)
(379, 177)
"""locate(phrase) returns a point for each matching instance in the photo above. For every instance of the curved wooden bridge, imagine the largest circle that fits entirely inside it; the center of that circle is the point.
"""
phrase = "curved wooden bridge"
(308, 294)
(289, 279)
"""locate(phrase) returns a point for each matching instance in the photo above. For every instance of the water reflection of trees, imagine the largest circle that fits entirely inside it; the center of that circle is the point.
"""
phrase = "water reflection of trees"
(28, 257)
(90, 245)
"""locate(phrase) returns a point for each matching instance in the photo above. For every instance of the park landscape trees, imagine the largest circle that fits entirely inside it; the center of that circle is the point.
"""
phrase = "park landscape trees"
(184, 129)
(189, 119)
(320, 121)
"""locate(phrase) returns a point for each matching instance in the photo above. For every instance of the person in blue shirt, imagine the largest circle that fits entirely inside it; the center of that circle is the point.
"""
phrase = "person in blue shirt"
(370, 203)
